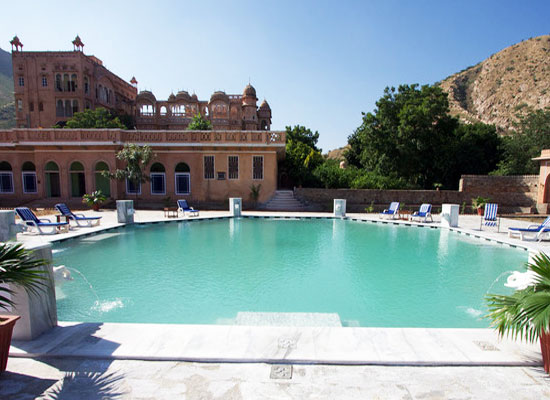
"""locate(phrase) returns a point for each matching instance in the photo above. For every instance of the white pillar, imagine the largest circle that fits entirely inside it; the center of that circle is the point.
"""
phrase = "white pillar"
(125, 211)
(38, 310)
(339, 208)
(449, 215)
(235, 206)
(8, 228)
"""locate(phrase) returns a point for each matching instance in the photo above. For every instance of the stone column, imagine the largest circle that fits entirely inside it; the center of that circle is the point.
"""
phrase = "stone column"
(38, 310)
(449, 215)
(125, 211)
(8, 228)
(339, 208)
(235, 206)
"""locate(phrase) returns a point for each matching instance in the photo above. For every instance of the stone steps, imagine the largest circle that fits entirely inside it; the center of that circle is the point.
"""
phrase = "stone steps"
(283, 200)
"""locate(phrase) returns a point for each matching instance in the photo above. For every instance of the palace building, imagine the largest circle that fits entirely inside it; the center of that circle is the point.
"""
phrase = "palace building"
(50, 86)
(41, 166)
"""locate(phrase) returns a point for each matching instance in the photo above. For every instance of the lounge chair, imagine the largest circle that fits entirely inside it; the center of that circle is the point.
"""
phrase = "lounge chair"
(79, 219)
(30, 220)
(490, 217)
(184, 208)
(532, 232)
(423, 213)
(392, 212)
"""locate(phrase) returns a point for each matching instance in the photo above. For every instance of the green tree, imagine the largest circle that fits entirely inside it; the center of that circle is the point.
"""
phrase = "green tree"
(303, 135)
(137, 158)
(531, 135)
(411, 139)
(199, 123)
(331, 176)
(475, 150)
(100, 118)
(302, 156)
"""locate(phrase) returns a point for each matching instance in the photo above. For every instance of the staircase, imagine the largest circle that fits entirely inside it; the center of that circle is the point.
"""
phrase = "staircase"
(283, 200)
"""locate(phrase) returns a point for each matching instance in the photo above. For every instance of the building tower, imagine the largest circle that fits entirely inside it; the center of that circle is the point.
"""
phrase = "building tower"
(250, 119)
(264, 116)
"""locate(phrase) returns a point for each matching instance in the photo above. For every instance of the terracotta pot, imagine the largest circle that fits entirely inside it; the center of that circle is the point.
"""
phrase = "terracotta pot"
(480, 211)
(545, 350)
(95, 207)
(7, 322)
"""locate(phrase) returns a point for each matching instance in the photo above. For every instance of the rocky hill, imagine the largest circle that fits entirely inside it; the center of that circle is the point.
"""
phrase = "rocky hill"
(7, 106)
(507, 83)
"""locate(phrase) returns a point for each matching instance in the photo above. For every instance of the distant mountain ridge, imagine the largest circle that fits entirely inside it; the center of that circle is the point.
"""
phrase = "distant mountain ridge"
(7, 104)
(509, 82)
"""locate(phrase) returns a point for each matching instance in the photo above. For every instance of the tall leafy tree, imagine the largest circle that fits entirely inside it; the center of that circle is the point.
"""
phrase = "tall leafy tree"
(411, 138)
(531, 135)
(304, 135)
(302, 156)
(136, 158)
(199, 123)
(100, 118)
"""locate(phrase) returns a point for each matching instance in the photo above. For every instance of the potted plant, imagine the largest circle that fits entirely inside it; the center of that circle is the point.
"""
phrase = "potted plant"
(94, 199)
(255, 193)
(526, 313)
(17, 267)
(478, 204)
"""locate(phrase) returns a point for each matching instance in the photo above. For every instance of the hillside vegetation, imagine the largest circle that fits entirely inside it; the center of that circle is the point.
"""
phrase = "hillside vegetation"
(7, 105)
(514, 80)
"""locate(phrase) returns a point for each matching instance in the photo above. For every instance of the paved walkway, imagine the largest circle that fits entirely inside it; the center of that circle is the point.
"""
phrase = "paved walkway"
(393, 363)
(85, 379)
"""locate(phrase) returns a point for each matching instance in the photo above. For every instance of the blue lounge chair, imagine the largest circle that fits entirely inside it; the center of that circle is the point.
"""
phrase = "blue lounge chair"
(423, 213)
(184, 208)
(80, 219)
(490, 217)
(532, 232)
(392, 212)
(31, 221)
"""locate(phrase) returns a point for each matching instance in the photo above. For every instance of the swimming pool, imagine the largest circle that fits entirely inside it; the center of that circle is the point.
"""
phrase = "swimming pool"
(205, 272)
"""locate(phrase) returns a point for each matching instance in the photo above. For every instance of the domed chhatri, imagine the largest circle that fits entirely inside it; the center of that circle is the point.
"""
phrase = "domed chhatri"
(172, 97)
(219, 96)
(265, 105)
(183, 96)
(16, 44)
(249, 91)
(146, 95)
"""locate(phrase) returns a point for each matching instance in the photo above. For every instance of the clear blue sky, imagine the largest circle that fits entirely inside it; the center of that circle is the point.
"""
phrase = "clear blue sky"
(318, 63)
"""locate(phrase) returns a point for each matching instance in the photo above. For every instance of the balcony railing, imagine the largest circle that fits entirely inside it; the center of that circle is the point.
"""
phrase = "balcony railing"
(22, 136)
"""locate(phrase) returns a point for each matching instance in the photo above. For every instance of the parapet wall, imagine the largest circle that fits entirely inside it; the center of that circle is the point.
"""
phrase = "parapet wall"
(512, 193)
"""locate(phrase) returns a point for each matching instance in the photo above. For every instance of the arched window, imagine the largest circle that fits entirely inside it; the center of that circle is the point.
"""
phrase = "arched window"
(163, 110)
(58, 83)
(78, 181)
(263, 125)
(102, 182)
(86, 85)
(29, 177)
(73, 83)
(75, 106)
(6, 178)
(68, 108)
(66, 83)
(59, 109)
(158, 179)
(183, 179)
(51, 181)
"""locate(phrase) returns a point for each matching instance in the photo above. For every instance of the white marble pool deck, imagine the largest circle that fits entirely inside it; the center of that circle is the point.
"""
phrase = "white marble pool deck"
(269, 344)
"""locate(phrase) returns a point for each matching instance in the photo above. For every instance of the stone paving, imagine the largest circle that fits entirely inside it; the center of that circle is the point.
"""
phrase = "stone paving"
(140, 380)
(69, 370)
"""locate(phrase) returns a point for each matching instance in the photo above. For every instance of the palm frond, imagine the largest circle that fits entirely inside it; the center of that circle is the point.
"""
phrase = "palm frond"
(525, 313)
(19, 267)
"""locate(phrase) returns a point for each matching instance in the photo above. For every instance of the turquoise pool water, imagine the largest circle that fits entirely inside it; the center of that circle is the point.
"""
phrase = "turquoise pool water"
(204, 272)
